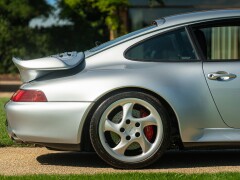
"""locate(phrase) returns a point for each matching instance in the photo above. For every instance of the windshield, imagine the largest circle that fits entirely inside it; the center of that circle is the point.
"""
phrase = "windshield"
(109, 43)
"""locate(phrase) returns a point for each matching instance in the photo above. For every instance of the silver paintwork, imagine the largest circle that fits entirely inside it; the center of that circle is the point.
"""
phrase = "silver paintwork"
(32, 69)
(226, 93)
(148, 148)
(218, 135)
(206, 110)
(49, 122)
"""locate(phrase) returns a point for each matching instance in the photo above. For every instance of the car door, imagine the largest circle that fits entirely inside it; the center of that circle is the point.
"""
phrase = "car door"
(219, 42)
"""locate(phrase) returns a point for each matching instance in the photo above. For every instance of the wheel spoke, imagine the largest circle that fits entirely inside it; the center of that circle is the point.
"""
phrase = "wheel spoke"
(147, 121)
(144, 143)
(124, 133)
(122, 146)
(127, 110)
(110, 126)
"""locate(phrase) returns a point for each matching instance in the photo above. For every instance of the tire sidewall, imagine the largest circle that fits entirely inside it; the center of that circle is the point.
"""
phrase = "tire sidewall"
(94, 130)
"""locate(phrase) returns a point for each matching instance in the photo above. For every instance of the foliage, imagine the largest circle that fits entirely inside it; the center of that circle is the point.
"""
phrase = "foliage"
(93, 20)
(16, 38)
(111, 8)
(97, 13)
(88, 24)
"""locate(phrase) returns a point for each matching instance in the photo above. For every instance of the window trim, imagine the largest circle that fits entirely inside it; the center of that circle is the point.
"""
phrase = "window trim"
(206, 25)
(158, 60)
(196, 44)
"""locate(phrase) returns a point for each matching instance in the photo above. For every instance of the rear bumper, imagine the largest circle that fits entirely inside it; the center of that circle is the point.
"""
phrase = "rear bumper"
(46, 122)
(12, 135)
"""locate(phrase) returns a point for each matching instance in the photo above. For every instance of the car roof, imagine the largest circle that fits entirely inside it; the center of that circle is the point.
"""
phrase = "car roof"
(199, 16)
(179, 20)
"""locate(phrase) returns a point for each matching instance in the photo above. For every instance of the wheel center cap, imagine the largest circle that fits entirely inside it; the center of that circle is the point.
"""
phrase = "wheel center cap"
(130, 130)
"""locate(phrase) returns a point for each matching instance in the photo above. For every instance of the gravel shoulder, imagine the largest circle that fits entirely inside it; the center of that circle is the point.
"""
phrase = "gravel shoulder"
(19, 161)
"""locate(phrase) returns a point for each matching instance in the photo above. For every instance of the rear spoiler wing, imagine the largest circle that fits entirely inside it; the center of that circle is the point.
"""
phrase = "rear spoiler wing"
(35, 68)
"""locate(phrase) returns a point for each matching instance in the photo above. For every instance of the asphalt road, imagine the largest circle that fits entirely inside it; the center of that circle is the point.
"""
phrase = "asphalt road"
(15, 161)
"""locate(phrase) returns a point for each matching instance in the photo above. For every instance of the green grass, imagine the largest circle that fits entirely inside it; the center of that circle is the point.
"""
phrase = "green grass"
(4, 138)
(132, 176)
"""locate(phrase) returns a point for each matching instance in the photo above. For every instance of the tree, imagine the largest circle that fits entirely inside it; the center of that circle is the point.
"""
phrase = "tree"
(16, 38)
(114, 15)
(88, 23)
(98, 12)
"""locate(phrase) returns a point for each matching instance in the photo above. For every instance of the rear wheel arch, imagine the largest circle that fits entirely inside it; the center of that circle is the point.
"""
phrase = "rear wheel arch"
(175, 133)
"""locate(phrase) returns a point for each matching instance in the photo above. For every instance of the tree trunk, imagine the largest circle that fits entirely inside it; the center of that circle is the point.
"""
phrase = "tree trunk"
(113, 34)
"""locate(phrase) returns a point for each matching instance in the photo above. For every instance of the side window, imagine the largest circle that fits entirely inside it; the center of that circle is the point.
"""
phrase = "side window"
(219, 41)
(171, 46)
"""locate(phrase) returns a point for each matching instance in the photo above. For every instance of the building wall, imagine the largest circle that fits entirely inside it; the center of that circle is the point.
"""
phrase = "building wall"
(142, 12)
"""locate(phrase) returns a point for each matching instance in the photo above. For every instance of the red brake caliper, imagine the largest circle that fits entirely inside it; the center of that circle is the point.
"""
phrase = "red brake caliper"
(148, 130)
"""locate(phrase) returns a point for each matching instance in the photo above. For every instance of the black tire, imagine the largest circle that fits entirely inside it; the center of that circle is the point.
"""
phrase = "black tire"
(119, 163)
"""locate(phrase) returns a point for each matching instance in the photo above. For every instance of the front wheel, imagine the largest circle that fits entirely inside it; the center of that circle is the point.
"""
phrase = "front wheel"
(130, 130)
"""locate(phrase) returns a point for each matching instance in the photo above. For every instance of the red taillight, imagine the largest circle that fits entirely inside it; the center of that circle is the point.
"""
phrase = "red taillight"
(29, 96)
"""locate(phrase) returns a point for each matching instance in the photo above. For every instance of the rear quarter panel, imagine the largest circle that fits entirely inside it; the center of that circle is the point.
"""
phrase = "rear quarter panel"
(181, 84)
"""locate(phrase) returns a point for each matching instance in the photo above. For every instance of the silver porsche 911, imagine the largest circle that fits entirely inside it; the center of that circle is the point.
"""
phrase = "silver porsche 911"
(175, 84)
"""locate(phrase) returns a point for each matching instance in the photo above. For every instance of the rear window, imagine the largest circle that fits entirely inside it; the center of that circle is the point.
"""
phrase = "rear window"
(171, 46)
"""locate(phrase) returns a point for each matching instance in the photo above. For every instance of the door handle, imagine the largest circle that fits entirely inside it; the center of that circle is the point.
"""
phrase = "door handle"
(221, 76)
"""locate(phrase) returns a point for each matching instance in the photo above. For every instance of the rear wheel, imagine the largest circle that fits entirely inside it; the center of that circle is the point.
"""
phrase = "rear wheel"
(130, 130)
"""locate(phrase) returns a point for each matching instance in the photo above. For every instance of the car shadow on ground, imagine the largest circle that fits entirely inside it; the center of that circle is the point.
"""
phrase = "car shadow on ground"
(170, 160)
(200, 158)
(78, 159)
